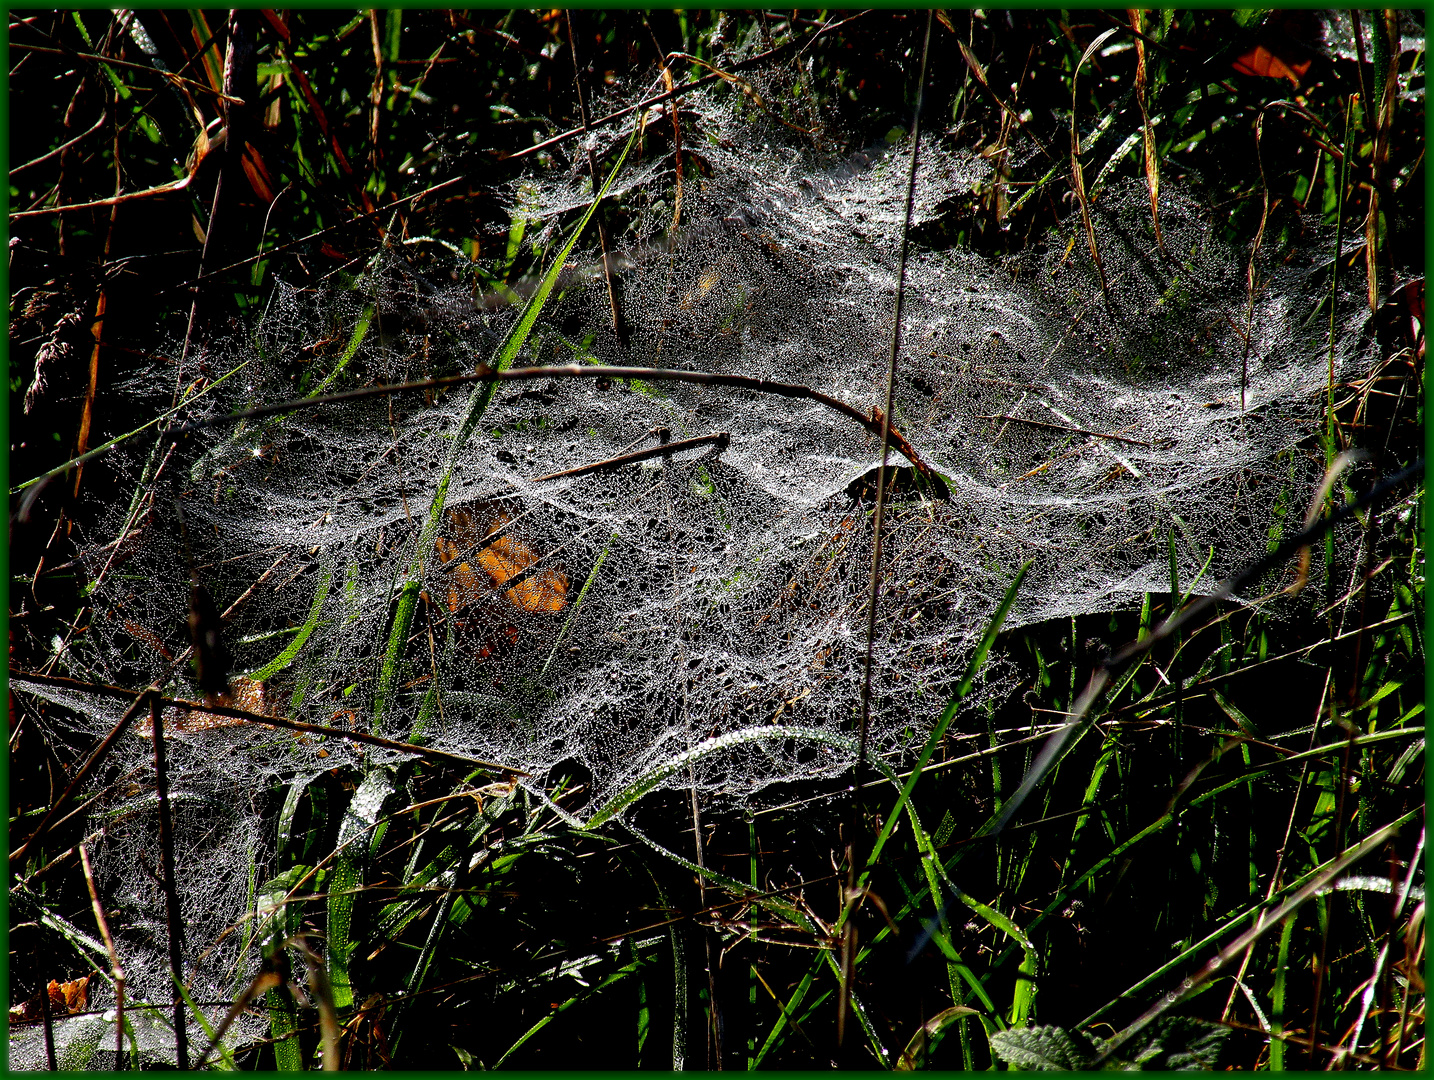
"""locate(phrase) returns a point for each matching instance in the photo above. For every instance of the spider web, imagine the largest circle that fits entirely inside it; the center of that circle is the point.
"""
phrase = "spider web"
(605, 625)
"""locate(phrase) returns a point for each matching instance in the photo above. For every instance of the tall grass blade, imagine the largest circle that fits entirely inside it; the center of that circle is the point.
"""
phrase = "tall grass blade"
(478, 401)
(968, 679)
(1078, 177)
(1228, 954)
(353, 849)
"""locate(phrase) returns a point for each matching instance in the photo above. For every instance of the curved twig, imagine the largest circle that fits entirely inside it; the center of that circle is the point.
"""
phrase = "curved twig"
(871, 422)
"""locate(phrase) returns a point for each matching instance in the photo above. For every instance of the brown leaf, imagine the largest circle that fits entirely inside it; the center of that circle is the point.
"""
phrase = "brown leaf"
(1268, 64)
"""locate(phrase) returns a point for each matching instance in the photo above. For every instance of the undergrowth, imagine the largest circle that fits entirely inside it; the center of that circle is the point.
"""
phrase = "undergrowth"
(1125, 846)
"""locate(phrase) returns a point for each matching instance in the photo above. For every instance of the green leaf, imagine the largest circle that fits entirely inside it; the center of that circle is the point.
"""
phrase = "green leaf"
(1042, 1049)
(1178, 1043)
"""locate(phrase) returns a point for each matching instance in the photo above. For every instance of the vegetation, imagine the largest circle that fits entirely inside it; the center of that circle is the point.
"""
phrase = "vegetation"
(1240, 806)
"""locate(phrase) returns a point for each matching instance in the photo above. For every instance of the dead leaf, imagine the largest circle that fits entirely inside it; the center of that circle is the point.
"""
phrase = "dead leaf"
(1262, 62)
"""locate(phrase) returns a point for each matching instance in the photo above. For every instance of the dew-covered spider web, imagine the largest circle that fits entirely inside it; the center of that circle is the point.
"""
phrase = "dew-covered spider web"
(612, 624)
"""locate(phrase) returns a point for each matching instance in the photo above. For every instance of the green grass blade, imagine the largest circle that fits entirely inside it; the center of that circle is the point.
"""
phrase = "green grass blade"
(360, 818)
(224, 1052)
(477, 404)
(655, 777)
(104, 447)
(1277, 998)
(576, 606)
(285, 658)
(939, 732)
(591, 991)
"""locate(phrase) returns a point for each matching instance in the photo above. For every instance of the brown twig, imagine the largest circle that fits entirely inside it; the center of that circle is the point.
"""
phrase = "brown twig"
(720, 439)
(872, 423)
(1382, 103)
(104, 115)
(116, 970)
(113, 200)
(87, 410)
(462, 760)
(171, 895)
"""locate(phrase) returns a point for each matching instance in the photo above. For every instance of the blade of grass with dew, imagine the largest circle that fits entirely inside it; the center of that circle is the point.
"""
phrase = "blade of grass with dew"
(477, 403)
(1176, 742)
(928, 1036)
(1277, 997)
(323, 993)
(931, 864)
(224, 1052)
(356, 338)
(957, 966)
(360, 818)
(679, 971)
(1108, 752)
(786, 1011)
(1023, 996)
(591, 991)
(292, 650)
(576, 606)
(284, 1030)
(659, 774)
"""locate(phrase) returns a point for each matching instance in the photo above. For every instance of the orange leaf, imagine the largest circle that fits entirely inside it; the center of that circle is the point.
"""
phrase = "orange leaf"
(257, 173)
(500, 561)
(1262, 62)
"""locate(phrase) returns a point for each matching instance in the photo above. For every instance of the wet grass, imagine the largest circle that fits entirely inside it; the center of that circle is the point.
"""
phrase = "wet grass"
(1235, 818)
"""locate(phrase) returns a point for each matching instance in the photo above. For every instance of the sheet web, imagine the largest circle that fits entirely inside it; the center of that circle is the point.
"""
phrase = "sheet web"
(605, 624)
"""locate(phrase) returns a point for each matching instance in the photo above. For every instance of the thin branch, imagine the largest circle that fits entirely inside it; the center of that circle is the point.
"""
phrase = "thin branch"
(462, 760)
(872, 423)
(171, 895)
(719, 439)
(116, 970)
(856, 862)
(104, 115)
